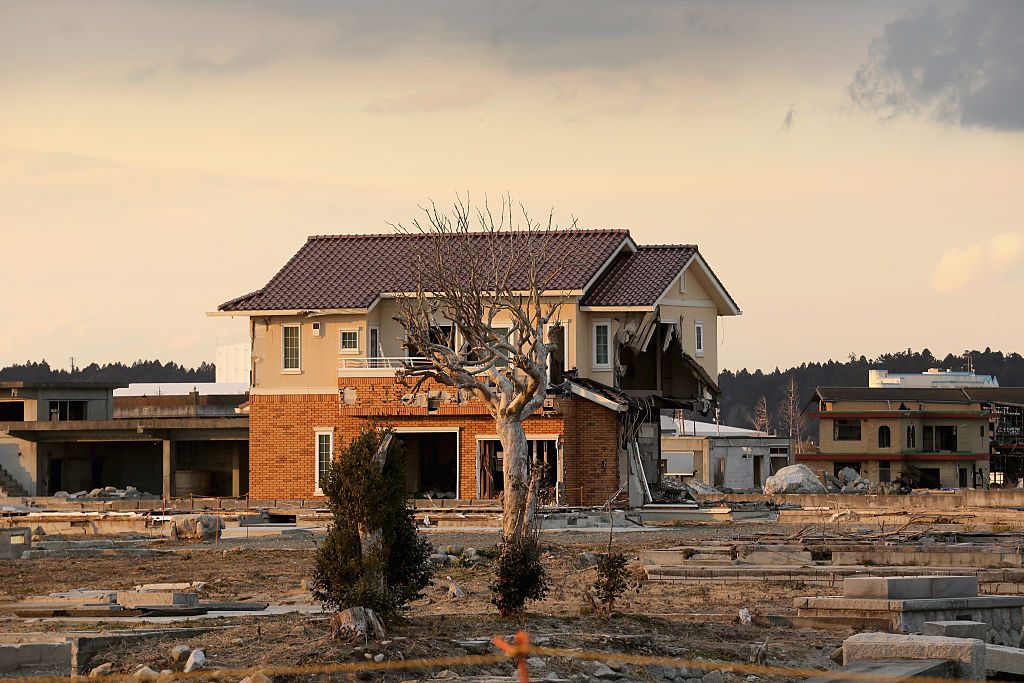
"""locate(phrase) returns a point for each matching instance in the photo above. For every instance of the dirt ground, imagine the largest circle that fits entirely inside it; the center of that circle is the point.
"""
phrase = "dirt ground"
(653, 618)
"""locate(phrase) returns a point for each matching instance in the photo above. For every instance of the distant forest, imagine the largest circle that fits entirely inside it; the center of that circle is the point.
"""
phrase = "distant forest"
(742, 390)
(139, 371)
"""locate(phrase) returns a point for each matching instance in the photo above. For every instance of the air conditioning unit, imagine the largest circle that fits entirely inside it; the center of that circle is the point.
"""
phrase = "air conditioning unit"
(550, 405)
(318, 329)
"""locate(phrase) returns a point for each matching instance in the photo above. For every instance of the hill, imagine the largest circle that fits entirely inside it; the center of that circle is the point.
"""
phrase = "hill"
(139, 371)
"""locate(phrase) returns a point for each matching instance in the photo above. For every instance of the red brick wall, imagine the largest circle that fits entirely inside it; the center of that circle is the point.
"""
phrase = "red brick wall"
(281, 436)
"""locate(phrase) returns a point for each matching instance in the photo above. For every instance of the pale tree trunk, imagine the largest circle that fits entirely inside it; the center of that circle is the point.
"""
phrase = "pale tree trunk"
(370, 538)
(519, 497)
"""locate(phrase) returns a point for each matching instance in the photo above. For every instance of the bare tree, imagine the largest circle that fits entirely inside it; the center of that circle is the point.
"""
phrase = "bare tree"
(478, 317)
(793, 419)
(760, 420)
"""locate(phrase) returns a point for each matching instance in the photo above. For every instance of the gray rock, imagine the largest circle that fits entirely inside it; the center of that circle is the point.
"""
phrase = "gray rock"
(455, 591)
(656, 671)
(257, 677)
(848, 475)
(604, 673)
(536, 663)
(715, 676)
(109, 489)
(615, 666)
(180, 652)
(588, 558)
(439, 560)
(196, 661)
(793, 479)
(144, 673)
(94, 493)
(197, 527)
(470, 553)
(61, 494)
(104, 669)
(379, 657)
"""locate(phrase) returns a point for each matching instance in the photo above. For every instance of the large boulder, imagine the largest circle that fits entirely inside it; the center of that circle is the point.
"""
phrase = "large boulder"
(197, 527)
(848, 475)
(794, 479)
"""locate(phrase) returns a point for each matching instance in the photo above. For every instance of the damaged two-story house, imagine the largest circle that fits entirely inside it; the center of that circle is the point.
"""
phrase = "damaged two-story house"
(637, 332)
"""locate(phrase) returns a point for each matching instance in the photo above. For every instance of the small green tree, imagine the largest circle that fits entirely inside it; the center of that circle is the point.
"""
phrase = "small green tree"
(611, 580)
(372, 556)
(520, 575)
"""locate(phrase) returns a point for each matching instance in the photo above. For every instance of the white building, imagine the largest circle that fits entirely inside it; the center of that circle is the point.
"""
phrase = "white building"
(933, 378)
(718, 455)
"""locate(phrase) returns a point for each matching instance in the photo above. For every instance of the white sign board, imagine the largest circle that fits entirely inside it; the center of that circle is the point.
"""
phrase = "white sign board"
(678, 463)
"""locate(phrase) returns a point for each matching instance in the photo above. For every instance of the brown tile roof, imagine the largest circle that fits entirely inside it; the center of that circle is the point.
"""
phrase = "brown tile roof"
(351, 271)
(640, 278)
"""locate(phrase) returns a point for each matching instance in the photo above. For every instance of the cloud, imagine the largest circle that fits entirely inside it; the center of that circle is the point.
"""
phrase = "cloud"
(252, 57)
(960, 266)
(429, 101)
(961, 66)
(1004, 250)
(142, 74)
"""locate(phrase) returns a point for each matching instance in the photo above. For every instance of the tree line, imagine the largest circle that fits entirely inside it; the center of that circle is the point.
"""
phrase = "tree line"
(139, 371)
(760, 400)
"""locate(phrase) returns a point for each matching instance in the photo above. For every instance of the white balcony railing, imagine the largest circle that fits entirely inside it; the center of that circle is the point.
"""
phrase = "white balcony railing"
(377, 365)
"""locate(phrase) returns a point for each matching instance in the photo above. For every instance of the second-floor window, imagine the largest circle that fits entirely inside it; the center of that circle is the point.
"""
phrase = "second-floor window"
(698, 337)
(884, 436)
(349, 341)
(291, 355)
(846, 430)
(602, 345)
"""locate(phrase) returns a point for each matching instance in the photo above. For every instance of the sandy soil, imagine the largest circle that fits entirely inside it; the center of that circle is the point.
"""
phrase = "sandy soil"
(664, 616)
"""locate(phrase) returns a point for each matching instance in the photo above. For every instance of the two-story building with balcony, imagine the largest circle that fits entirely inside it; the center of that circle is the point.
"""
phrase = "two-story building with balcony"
(636, 332)
(879, 431)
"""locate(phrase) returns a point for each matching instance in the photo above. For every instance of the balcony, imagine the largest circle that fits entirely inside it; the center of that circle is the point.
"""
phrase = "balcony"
(376, 366)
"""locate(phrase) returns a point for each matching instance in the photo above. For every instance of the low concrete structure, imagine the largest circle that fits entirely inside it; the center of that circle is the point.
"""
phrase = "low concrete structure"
(14, 542)
(923, 599)
(968, 653)
(956, 629)
(133, 599)
(1004, 660)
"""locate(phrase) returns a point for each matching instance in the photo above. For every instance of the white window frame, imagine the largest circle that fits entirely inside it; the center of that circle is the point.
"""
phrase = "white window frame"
(698, 337)
(284, 369)
(317, 433)
(341, 336)
(593, 344)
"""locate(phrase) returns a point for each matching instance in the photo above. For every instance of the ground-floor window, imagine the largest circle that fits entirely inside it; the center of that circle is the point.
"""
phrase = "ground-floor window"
(884, 473)
(837, 467)
(930, 478)
(996, 478)
(324, 449)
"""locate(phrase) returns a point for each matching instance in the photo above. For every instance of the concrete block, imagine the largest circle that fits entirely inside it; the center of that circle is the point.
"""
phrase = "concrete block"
(956, 629)
(954, 586)
(1004, 660)
(130, 599)
(969, 653)
(36, 659)
(15, 542)
(910, 587)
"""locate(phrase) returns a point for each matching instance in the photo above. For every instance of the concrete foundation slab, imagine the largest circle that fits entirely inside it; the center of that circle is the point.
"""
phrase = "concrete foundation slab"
(968, 653)
(132, 599)
(956, 629)
(1004, 660)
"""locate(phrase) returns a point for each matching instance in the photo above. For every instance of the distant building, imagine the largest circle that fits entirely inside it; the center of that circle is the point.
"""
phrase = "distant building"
(718, 455)
(173, 439)
(934, 377)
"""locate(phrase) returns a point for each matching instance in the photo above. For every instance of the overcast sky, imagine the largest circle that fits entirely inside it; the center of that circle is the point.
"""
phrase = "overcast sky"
(854, 172)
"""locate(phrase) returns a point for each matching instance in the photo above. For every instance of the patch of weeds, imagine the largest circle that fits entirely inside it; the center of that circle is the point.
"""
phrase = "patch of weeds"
(714, 654)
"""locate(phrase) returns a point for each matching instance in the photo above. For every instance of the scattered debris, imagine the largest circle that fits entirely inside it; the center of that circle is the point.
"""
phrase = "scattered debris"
(356, 623)
(196, 661)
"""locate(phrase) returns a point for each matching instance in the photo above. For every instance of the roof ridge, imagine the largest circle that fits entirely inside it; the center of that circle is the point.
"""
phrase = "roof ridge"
(583, 231)
(666, 246)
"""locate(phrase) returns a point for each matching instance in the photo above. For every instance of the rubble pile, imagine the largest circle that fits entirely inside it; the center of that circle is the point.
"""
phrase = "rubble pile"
(107, 492)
